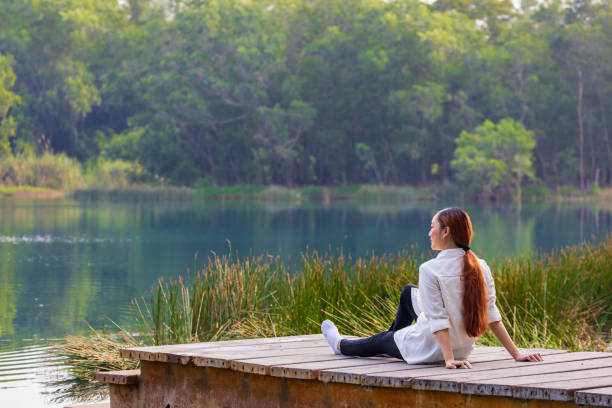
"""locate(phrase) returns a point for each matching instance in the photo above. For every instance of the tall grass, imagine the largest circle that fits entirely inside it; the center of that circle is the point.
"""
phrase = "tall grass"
(561, 299)
(232, 297)
(114, 174)
(54, 171)
(62, 173)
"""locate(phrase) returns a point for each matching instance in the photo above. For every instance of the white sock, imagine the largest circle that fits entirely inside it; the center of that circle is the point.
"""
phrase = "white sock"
(331, 334)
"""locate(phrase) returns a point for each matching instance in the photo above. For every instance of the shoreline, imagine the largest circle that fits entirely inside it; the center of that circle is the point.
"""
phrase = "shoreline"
(31, 192)
(325, 194)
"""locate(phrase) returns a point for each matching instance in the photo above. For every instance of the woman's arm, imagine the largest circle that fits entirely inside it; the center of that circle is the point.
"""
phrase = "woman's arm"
(499, 330)
(445, 344)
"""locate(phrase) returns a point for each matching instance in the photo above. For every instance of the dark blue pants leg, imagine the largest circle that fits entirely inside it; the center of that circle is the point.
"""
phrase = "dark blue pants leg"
(405, 315)
(381, 343)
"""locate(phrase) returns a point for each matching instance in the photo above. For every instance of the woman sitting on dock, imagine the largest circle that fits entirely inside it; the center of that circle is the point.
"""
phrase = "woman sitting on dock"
(453, 305)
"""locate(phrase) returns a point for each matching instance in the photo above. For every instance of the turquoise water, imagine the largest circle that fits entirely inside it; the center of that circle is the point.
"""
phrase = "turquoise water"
(64, 263)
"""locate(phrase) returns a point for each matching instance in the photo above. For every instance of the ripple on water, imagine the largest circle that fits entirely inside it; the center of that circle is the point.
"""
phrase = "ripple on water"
(24, 375)
(50, 239)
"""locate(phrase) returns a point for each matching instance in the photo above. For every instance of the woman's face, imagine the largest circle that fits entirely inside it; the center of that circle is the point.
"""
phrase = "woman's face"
(438, 236)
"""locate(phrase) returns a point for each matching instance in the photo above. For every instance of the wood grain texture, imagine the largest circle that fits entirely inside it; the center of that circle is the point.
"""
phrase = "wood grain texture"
(563, 390)
(157, 353)
(187, 357)
(599, 397)
(452, 381)
(444, 379)
(511, 386)
(263, 365)
(125, 377)
(311, 370)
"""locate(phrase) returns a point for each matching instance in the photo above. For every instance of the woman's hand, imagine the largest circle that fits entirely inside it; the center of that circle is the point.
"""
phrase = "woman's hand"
(453, 364)
(529, 357)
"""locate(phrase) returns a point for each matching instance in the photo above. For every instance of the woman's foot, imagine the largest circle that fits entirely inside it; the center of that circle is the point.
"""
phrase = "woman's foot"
(331, 334)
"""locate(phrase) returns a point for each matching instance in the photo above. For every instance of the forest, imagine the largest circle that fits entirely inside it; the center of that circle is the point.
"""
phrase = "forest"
(201, 93)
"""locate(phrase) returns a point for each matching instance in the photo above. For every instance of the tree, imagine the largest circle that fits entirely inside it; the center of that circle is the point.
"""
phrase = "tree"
(495, 158)
(7, 100)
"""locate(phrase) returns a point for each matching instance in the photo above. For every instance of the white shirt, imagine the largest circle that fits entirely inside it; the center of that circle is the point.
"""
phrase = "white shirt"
(439, 306)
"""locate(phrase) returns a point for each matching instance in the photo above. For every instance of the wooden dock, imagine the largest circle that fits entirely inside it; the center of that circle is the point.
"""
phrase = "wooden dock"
(302, 371)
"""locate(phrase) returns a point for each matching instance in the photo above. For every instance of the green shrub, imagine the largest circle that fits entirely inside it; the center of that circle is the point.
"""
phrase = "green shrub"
(54, 171)
(536, 191)
(310, 192)
(114, 174)
(238, 190)
(568, 191)
(345, 190)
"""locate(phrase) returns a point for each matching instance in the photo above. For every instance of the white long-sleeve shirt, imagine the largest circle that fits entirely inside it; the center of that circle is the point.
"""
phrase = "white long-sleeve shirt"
(439, 304)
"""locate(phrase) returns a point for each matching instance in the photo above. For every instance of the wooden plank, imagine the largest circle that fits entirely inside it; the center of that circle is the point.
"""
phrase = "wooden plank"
(451, 380)
(125, 377)
(403, 377)
(262, 365)
(223, 359)
(310, 370)
(153, 353)
(186, 357)
(506, 386)
(599, 397)
(352, 375)
(563, 390)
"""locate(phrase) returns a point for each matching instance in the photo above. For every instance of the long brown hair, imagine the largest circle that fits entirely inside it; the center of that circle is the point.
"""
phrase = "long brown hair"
(474, 289)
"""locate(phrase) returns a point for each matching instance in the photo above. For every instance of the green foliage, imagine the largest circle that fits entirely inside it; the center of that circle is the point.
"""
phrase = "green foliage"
(494, 157)
(58, 172)
(237, 190)
(113, 174)
(123, 146)
(537, 191)
(7, 100)
(62, 173)
(303, 92)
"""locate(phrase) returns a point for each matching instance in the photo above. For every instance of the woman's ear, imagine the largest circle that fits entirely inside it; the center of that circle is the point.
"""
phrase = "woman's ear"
(446, 233)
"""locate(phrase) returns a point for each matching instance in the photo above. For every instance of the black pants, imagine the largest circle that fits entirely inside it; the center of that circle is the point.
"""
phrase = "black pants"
(384, 343)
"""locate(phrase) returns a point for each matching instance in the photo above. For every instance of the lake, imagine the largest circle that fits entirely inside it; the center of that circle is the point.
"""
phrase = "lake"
(65, 263)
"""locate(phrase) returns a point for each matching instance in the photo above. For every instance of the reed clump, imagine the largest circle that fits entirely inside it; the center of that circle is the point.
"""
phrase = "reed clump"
(87, 355)
(561, 299)
(235, 298)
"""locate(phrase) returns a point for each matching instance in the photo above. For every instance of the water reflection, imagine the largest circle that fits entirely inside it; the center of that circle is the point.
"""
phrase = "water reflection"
(65, 262)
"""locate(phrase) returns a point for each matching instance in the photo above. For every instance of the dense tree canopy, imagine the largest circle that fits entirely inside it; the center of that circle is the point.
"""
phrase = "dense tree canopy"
(309, 91)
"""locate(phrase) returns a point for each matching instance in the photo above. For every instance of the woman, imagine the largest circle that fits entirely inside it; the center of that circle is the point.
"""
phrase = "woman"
(453, 305)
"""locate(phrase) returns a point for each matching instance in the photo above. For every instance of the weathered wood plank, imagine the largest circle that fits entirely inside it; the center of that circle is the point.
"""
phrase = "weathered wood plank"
(404, 377)
(352, 375)
(262, 365)
(451, 380)
(186, 357)
(484, 359)
(310, 371)
(125, 377)
(223, 359)
(563, 390)
(154, 353)
(599, 397)
(505, 386)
